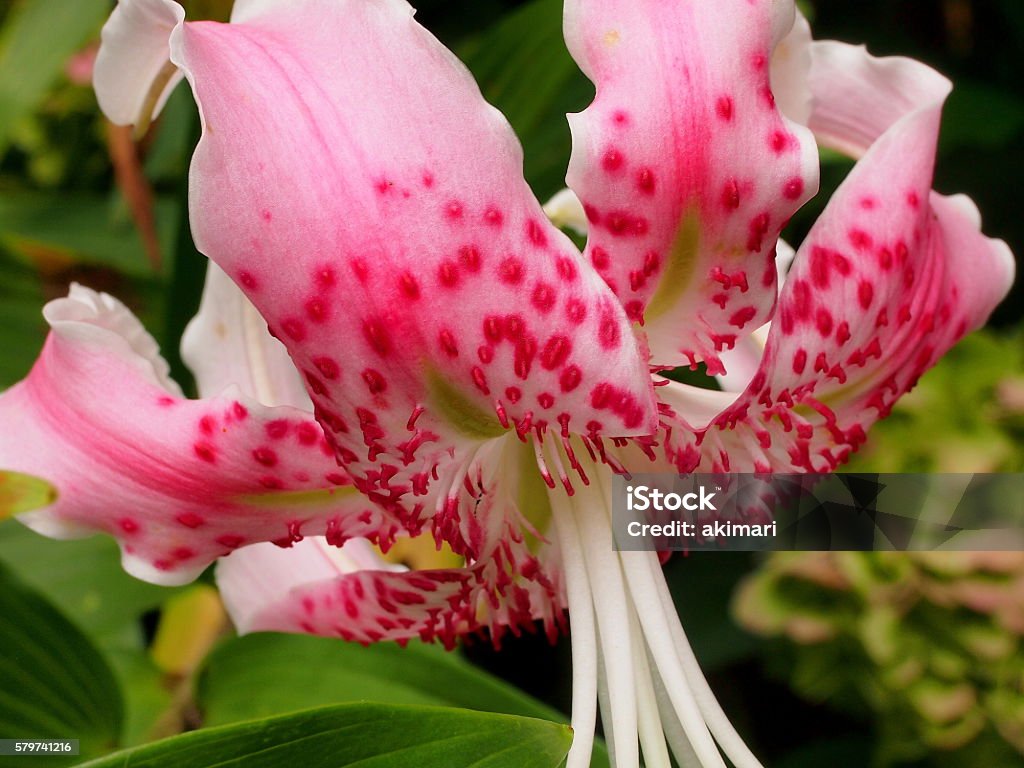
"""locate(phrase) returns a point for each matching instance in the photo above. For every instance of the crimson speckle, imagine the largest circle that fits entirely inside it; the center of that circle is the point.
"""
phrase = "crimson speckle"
(570, 378)
(295, 329)
(448, 345)
(277, 429)
(510, 271)
(315, 385)
(779, 142)
(493, 328)
(575, 311)
(183, 553)
(207, 425)
(599, 258)
(486, 354)
(793, 188)
(556, 351)
(205, 451)
(612, 160)
(799, 361)
(308, 433)
(731, 195)
(566, 269)
(267, 216)
(316, 310)
(514, 394)
(535, 231)
(843, 333)
(359, 269)
(375, 382)
(543, 297)
(757, 229)
(823, 320)
(325, 276)
(265, 456)
(378, 337)
(189, 520)
(620, 117)
(608, 333)
(448, 274)
(327, 367)
(742, 316)
(645, 181)
(248, 280)
(230, 540)
(860, 239)
(129, 526)
(409, 287)
(240, 411)
(453, 210)
(480, 380)
(494, 217)
(913, 200)
(865, 293)
(469, 258)
(545, 400)
(723, 106)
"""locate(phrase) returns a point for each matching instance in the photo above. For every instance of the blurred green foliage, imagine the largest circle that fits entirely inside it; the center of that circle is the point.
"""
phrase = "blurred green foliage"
(929, 645)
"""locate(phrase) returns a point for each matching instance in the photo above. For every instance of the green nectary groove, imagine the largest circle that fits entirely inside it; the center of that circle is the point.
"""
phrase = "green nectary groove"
(317, 498)
(534, 502)
(457, 410)
(679, 268)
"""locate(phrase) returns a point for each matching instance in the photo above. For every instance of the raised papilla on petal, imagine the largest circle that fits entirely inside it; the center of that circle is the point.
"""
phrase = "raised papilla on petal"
(686, 167)
(177, 482)
(354, 183)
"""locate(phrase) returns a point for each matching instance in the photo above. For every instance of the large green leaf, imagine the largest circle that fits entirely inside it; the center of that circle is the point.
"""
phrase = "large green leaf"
(264, 674)
(84, 578)
(367, 735)
(53, 683)
(257, 675)
(38, 38)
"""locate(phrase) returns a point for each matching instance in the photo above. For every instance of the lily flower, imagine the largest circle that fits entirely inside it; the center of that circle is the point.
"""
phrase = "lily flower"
(449, 364)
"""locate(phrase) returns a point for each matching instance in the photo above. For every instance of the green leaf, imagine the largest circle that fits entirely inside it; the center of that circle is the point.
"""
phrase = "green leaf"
(264, 674)
(22, 493)
(58, 230)
(259, 675)
(53, 683)
(22, 328)
(37, 40)
(84, 577)
(367, 735)
(524, 69)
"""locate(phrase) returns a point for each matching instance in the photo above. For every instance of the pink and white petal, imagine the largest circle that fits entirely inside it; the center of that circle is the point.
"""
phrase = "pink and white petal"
(743, 360)
(178, 483)
(856, 97)
(791, 69)
(510, 581)
(887, 281)
(257, 579)
(133, 75)
(686, 166)
(227, 344)
(401, 232)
